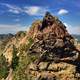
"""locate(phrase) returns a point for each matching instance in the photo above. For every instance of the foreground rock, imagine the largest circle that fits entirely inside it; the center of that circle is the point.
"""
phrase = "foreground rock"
(54, 71)
(56, 56)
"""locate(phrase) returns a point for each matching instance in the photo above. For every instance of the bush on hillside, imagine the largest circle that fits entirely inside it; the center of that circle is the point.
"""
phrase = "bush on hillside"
(24, 60)
(15, 59)
(4, 69)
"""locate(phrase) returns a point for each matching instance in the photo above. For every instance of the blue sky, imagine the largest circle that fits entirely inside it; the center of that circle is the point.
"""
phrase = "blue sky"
(16, 15)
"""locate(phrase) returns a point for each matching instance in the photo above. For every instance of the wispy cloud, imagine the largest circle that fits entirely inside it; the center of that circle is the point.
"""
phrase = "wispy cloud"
(30, 10)
(73, 29)
(12, 8)
(35, 10)
(5, 28)
(63, 12)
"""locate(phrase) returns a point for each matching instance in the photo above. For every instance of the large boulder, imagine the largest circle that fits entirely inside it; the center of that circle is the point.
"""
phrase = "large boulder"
(55, 71)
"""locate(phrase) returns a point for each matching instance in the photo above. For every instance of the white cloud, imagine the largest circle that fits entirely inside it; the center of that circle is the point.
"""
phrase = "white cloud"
(72, 29)
(63, 12)
(12, 8)
(30, 10)
(4, 28)
(35, 10)
(14, 11)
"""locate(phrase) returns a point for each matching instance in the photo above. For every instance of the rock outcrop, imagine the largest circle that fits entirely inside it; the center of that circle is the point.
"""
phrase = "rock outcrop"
(56, 55)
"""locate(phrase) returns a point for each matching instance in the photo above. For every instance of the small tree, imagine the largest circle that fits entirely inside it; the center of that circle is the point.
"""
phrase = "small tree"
(15, 59)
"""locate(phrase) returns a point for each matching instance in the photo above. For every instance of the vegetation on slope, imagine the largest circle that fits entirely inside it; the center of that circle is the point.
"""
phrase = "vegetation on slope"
(15, 59)
(4, 69)
(24, 60)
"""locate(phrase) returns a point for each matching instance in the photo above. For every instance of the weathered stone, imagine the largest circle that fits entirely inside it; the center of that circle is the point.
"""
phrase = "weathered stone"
(33, 67)
(57, 71)
(47, 77)
(59, 43)
(43, 65)
(47, 20)
(58, 66)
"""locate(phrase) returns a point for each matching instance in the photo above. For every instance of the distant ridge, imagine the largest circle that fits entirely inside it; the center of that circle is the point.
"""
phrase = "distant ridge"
(76, 36)
(5, 36)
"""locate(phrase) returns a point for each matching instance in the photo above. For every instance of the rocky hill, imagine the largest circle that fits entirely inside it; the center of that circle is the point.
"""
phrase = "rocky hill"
(57, 58)
(4, 38)
(45, 52)
(77, 37)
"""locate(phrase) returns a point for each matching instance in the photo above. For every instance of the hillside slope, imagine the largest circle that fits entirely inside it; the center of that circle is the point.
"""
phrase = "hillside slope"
(45, 52)
(4, 38)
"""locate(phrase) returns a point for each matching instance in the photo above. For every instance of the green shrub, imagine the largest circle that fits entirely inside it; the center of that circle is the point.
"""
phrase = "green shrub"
(24, 47)
(30, 42)
(20, 72)
(20, 34)
(23, 62)
(15, 59)
(3, 67)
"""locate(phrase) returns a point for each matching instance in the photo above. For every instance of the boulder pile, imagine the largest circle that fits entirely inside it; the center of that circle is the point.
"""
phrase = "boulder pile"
(55, 52)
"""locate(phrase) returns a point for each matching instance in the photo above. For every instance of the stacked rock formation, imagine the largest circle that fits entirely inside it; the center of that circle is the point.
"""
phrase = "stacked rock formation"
(54, 50)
